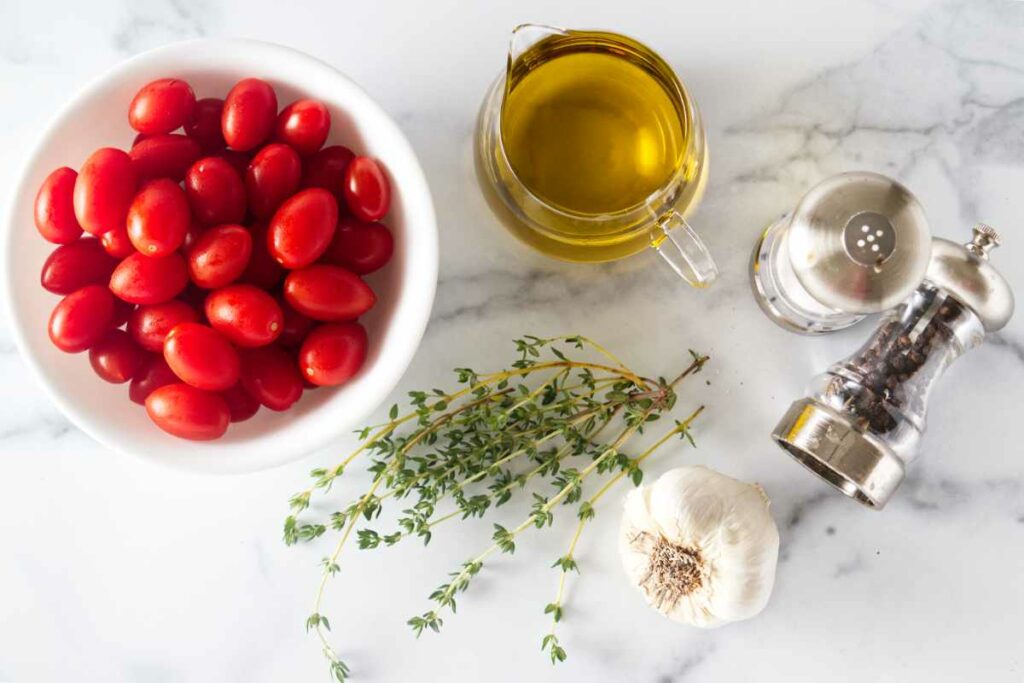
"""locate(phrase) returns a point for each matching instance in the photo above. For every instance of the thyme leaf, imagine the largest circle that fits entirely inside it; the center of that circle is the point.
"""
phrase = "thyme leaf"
(536, 430)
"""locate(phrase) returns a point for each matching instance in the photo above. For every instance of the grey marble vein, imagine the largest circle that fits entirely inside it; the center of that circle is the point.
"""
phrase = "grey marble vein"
(847, 567)
(53, 426)
(856, 113)
(686, 668)
(117, 572)
(151, 22)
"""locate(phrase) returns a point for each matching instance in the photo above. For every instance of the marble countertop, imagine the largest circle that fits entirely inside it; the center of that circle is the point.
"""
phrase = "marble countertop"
(114, 571)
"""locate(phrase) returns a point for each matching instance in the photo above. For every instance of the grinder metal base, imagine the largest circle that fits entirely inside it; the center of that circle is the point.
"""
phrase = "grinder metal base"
(848, 458)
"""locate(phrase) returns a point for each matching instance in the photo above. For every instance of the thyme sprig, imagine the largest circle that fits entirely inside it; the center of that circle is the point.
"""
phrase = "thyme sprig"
(536, 426)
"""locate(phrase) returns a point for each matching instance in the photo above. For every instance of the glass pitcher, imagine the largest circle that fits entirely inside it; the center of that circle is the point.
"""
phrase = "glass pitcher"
(589, 149)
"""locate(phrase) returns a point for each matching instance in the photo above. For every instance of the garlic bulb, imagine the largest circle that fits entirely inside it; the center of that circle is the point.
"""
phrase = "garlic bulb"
(701, 546)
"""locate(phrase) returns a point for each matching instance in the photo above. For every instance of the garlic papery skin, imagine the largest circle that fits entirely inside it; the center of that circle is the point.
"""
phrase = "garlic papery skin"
(701, 546)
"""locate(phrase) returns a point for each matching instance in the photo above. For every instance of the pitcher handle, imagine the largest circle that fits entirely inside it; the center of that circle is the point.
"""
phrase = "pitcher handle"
(679, 245)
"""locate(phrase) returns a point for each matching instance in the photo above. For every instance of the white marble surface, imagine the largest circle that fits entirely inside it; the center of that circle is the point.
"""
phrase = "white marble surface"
(113, 571)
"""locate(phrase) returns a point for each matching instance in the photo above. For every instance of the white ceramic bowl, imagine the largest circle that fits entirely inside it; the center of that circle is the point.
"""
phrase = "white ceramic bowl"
(97, 117)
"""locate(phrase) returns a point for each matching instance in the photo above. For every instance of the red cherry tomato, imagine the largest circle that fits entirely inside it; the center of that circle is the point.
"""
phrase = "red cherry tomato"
(296, 326)
(158, 218)
(262, 271)
(55, 207)
(273, 176)
(161, 106)
(367, 190)
(238, 160)
(326, 170)
(304, 125)
(271, 376)
(103, 190)
(215, 191)
(122, 311)
(81, 318)
(195, 296)
(328, 293)
(149, 325)
(116, 358)
(204, 127)
(241, 405)
(188, 413)
(73, 266)
(117, 243)
(153, 374)
(149, 280)
(333, 353)
(164, 156)
(360, 247)
(192, 235)
(302, 228)
(201, 356)
(246, 315)
(250, 110)
(220, 256)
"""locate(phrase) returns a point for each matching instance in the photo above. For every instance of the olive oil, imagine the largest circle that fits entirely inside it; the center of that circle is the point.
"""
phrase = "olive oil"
(588, 147)
(591, 133)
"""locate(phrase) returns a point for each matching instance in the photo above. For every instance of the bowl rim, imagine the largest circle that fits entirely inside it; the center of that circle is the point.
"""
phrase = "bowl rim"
(415, 322)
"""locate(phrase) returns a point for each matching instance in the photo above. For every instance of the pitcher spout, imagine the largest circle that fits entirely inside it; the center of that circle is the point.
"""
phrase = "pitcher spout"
(526, 36)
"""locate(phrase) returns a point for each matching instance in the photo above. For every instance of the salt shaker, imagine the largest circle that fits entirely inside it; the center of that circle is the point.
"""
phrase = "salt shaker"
(862, 421)
(856, 244)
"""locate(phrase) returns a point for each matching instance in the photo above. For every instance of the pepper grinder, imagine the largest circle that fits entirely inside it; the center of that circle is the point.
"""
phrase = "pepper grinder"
(857, 243)
(862, 421)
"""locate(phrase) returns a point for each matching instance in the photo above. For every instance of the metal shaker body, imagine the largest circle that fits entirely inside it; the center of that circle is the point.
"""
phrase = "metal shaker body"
(857, 243)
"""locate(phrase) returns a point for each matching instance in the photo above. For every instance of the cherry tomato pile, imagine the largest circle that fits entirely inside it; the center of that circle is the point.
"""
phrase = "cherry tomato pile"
(216, 269)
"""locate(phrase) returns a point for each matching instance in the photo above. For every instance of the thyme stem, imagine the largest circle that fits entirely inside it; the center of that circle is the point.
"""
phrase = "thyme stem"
(503, 431)
(568, 561)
